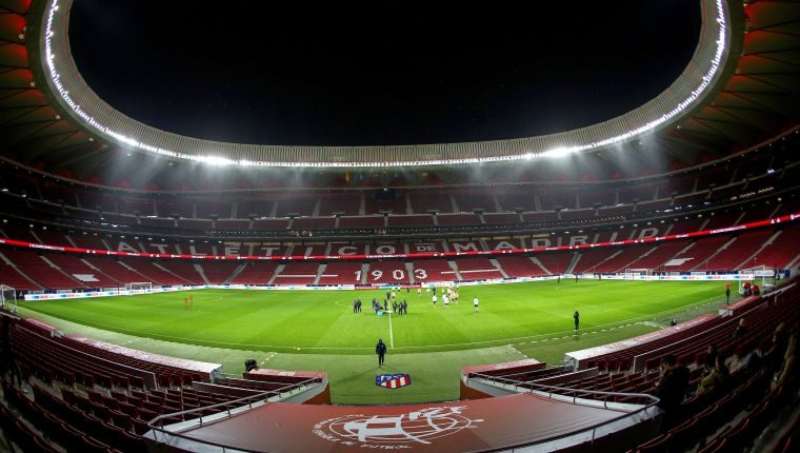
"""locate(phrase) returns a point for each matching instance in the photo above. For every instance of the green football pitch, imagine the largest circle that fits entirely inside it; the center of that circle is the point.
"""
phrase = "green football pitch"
(317, 330)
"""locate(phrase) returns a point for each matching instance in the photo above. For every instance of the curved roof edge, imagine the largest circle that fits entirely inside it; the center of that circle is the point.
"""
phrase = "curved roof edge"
(639, 179)
(82, 104)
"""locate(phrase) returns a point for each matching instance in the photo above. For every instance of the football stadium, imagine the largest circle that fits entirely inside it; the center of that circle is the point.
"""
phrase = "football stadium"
(204, 247)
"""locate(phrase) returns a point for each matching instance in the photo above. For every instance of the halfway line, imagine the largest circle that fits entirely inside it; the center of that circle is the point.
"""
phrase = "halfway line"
(391, 335)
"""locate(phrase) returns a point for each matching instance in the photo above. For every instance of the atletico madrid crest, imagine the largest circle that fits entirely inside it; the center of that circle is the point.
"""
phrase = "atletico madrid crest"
(393, 381)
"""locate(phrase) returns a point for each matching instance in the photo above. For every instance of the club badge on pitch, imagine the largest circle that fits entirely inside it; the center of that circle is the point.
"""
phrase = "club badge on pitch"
(393, 381)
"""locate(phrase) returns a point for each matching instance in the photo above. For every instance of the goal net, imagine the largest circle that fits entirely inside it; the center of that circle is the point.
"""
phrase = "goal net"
(8, 298)
(762, 276)
(139, 287)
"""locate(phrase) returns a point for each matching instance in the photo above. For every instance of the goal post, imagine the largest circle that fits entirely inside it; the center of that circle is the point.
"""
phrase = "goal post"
(631, 272)
(139, 287)
(761, 275)
(8, 298)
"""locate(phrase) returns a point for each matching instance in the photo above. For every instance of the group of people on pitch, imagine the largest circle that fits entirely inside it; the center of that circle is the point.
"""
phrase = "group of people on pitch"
(399, 307)
(448, 295)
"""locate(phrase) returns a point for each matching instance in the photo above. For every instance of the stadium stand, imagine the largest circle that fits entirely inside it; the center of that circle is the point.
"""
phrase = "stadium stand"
(115, 270)
(434, 270)
(708, 418)
(39, 270)
(520, 266)
(388, 272)
(297, 274)
(340, 274)
(218, 272)
(255, 274)
(724, 165)
(478, 269)
(88, 398)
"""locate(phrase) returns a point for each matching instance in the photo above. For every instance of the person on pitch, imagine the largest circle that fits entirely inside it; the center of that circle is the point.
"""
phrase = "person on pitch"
(434, 298)
(475, 303)
(577, 318)
(380, 349)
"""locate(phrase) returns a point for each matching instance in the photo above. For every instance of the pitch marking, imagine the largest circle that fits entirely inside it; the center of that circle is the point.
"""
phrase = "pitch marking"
(391, 335)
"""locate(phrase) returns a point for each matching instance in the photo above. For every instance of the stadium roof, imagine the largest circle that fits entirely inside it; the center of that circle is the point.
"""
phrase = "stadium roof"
(740, 86)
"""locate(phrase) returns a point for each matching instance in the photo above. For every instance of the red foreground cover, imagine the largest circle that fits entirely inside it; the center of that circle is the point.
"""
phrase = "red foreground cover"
(488, 423)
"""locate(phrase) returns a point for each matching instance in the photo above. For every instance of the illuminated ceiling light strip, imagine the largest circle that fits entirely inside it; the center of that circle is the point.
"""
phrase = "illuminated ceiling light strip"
(216, 160)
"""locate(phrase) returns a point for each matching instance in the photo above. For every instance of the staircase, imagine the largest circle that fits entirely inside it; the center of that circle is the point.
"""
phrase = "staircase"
(539, 263)
(760, 249)
(58, 269)
(235, 274)
(573, 262)
(19, 271)
(717, 252)
(320, 270)
(98, 270)
(454, 267)
(275, 274)
(199, 269)
(496, 264)
(162, 268)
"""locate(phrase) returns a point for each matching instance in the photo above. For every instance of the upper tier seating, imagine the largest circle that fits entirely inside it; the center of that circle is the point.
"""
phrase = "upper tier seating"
(430, 201)
(342, 204)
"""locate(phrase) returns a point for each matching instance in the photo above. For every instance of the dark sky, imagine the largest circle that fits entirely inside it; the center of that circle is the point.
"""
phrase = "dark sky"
(251, 71)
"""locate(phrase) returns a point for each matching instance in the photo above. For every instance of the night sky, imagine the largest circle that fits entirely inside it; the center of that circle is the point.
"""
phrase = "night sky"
(250, 71)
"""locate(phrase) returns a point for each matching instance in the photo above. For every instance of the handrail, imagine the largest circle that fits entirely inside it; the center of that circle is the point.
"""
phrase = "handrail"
(245, 401)
(258, 396)
(552, 391)
(761, 300)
